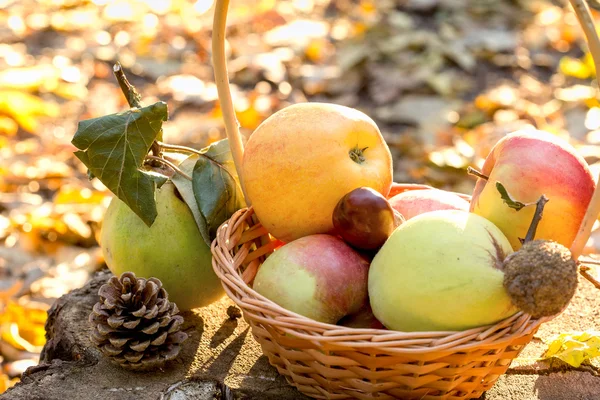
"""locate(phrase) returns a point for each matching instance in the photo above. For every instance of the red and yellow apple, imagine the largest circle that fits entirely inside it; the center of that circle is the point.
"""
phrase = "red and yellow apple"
(530, 163)
(414, 202)
(318, 276)
(302, 159)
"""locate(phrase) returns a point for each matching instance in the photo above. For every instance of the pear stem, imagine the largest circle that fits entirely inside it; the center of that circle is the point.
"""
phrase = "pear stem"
(175, 148)
(537, 217)
(134, 99)
(170, 165)
(586, 21)
(474, 172)
(222, 81)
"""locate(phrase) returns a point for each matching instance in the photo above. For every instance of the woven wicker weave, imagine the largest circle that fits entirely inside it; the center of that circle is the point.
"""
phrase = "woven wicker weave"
(332, 362)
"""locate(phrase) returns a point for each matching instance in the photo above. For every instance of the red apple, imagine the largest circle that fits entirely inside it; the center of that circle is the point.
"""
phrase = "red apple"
(414, 202)
(318, 276)
(530, 163)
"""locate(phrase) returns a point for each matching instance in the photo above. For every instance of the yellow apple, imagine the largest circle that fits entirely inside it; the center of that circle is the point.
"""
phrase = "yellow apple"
(304, 158)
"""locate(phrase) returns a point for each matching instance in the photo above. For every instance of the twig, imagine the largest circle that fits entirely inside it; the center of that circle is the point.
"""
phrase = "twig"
(179, 149)
(587, 25)
(222, 81)
(473, 171)
(583, 270)
(134, 99)
(169, 164)
(589, 261)
(537, 217)
(184, 149)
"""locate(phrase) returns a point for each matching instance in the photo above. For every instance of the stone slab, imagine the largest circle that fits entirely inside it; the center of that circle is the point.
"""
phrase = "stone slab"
(221, 360)
(569, 385)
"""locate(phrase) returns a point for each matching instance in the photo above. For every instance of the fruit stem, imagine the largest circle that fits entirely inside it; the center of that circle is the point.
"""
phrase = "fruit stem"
(586, 21)
(473, 171)
(134, 99)
(178, 148)
(357, 155)
(232, 128)
(184, 149)
(537, 217)
(170, 165)
(131, 94)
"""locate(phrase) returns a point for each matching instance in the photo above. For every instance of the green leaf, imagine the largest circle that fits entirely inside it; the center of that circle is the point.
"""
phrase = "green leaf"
(216, 186)
(113, 148)
(186, 190)
(512, 203)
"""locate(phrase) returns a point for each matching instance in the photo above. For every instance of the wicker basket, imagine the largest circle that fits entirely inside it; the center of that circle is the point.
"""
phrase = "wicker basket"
(333, 362)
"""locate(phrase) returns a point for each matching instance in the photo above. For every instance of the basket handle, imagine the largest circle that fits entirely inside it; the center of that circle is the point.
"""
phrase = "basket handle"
(232, 127)
(235, 139)
(586, 21)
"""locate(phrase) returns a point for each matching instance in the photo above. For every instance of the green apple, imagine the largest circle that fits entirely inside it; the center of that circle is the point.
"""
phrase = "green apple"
(171, 250)
(441, 270)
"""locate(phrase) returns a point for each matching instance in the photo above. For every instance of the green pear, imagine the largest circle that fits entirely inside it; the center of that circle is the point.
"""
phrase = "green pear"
(171, 250)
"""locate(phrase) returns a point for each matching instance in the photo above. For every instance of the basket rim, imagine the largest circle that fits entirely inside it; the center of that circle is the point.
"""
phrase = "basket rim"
(247, 298)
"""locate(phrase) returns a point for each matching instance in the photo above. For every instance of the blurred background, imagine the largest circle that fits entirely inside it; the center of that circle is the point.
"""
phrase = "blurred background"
(443, 79)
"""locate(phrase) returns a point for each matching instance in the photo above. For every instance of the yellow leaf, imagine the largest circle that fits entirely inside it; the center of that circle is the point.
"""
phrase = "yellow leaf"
(75, 194)
(8, 126)
(30, 78)
(6, 382)
(576, 68)
(24, 108)
(574, 348)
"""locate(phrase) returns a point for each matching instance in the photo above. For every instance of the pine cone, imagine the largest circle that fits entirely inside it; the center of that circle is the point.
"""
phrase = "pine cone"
(135, 324)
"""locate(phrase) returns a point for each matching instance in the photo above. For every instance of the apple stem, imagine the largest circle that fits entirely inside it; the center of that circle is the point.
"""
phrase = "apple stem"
(474, 172)
(170, 165)
(222, 81)
(134, 99)
(357, 155)
(537, 217)
(586, 21)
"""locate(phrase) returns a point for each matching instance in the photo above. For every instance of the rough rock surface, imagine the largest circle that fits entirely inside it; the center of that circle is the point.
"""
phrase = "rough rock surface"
(221, 360)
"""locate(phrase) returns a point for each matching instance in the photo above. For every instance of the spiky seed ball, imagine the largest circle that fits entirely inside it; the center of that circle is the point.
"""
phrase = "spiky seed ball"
(541, 277)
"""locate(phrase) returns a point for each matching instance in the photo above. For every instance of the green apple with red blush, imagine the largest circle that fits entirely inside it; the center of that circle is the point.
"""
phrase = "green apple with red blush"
(531, 163)
(318, 276)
